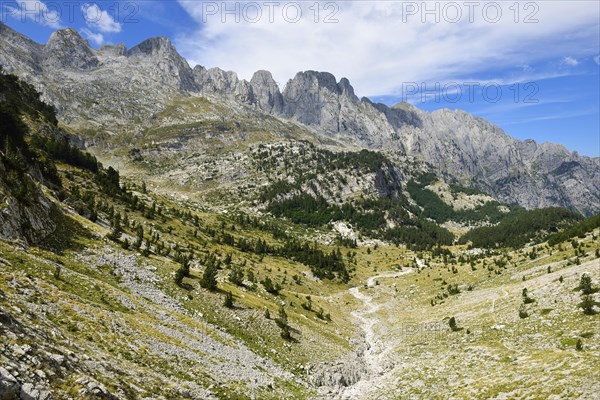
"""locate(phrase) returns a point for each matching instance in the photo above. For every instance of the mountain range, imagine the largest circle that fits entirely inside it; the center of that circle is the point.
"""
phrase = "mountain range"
(120, 91)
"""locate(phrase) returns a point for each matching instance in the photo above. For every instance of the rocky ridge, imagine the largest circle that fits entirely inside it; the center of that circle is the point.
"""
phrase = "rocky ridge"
(117, 90)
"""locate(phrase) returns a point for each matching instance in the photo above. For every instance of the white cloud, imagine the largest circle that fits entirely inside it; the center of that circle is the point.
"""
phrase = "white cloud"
(96, 38)
(36, 11)
(98, 19)
(570, 61)
(378, 45)
(597, 59)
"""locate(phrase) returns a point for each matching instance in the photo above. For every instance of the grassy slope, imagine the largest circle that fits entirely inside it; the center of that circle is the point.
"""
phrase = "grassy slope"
(502, 356)
(138, 333)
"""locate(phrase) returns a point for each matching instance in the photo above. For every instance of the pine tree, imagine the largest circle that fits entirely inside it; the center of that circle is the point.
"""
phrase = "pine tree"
(236, 276)
(209, 278)
(179, 275)
(183, 271)
(308, 304)
(270, 287)
(588, 304)
(452, 324)
(57, 272)
(585, 284)
(526, 298)
(116, 232)
(228, 302)
(282, 318)
(140, 237)
(282, 322)
(285, 332)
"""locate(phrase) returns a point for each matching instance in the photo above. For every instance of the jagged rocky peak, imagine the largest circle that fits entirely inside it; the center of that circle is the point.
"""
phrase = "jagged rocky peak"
(159, 46)
(12, 43)
(16, 38)
(402, 114)
(223, 80)
(263, 78)
(167, 65)
(266, 92)
(216, 80)
(346, 89)
(314, 80)
(66, 49)
(405, 106)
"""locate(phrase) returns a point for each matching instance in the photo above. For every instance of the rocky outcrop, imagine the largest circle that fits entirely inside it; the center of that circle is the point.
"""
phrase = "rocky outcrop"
(9, 386)
(332, 378)
(26, 215)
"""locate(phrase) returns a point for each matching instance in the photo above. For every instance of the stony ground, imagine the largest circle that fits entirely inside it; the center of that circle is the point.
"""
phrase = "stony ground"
(412, 353)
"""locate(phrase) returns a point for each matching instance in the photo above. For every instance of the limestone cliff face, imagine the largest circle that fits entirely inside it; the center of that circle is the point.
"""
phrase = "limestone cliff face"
(474, 150)
(29, 218)
(113, 89)
(317, 100)
(267, 95)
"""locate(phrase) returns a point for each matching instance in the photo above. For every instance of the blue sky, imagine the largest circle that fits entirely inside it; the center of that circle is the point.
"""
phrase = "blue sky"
(533, 68)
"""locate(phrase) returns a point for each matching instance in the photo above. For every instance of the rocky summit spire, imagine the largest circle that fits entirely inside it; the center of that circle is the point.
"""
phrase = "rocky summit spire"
(267, 95)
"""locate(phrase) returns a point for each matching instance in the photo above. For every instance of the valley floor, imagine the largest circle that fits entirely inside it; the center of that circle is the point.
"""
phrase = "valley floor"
(112, 326)
(411, 352)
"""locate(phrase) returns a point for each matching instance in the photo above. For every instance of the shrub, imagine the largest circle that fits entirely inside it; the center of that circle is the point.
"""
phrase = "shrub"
(523, 311)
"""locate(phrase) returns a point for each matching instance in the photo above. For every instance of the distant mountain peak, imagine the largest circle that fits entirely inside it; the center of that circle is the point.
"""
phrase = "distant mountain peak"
(66, 49)
(153, 46)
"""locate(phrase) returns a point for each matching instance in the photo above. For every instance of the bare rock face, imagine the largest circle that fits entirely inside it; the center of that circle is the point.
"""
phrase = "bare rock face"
(28, 220)
(317, 100)
(170, 66)
(118, 90)
(30, 57)
(267, 95)
(9, 386)
(224, 84)
(66, 49)
(524, 172)
(313, 98)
